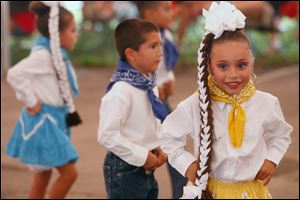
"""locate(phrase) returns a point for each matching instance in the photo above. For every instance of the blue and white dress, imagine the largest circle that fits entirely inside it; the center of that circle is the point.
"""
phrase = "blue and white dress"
(42, 139)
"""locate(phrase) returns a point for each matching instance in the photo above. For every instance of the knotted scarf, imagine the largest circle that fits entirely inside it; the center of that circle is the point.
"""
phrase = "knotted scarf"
(237, 115)
(128, 74)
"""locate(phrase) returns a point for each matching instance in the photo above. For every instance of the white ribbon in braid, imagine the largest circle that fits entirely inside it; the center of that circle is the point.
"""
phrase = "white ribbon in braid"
(220, 17)
(192, 191)
(57, 56)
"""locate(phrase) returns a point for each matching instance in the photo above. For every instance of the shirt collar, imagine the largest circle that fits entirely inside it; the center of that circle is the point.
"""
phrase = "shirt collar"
(223, 104)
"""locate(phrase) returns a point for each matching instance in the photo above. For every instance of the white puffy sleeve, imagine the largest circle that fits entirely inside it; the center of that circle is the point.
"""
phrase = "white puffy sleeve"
(277, 133)
(175, 129)
(21, 75)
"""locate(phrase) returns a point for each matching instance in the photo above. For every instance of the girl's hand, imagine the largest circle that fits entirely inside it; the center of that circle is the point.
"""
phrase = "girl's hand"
(162, 156)
(35, 109)
(266, 171)
(191, 172)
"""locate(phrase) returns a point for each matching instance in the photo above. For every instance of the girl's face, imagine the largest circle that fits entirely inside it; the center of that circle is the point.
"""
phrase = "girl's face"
(231, 64)
(68, 36)
(147, 58)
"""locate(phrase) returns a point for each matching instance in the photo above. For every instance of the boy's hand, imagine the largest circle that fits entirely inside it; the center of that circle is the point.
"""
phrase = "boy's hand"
(166, 90)
(169, 88)
(152, 162)
(191, 172)
(162, 156)
(161, 92)
(35, 109)
(266, 171)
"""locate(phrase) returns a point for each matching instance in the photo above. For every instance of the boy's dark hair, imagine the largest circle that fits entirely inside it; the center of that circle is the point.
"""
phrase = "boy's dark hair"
(42, 12)
(142, 6)
(131, 34)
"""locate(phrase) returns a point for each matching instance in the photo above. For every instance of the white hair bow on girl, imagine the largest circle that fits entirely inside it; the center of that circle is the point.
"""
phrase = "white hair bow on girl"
(223, 17)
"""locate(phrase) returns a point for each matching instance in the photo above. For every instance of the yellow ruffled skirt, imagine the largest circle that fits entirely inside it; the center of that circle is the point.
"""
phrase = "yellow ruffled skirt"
(243, 190)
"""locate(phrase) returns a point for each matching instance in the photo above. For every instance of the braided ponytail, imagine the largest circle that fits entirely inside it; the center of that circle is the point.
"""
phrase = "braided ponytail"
(73, 117)
(206, 118)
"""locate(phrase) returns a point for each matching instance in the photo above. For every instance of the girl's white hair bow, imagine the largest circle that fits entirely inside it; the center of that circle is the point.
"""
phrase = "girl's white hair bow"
(223, 17)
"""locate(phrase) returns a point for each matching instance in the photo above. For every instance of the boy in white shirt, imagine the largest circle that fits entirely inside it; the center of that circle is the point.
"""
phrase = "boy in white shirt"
(239, 133)
(131, 114)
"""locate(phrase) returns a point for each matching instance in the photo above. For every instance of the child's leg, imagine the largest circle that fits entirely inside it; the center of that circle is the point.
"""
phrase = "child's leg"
(68, 175)
(39, 184)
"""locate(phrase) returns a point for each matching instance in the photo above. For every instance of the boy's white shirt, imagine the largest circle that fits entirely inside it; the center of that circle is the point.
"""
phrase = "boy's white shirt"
(127, 126)
(34, 79)
(163, 75)
(267, 136)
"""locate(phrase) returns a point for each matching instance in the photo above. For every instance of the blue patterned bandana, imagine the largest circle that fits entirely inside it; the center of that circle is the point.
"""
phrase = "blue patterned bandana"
(43, 42)
(128, 74)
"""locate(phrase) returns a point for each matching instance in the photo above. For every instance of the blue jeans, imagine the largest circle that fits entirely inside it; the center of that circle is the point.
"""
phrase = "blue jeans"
(125, 181)
(178, 182)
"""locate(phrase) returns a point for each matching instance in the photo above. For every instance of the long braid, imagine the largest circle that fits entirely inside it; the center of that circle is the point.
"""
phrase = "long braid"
(206, 118)
(60, 67)
(57, 56)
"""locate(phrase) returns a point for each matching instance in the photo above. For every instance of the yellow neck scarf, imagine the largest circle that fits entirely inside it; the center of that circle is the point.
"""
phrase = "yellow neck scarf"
(237, 115)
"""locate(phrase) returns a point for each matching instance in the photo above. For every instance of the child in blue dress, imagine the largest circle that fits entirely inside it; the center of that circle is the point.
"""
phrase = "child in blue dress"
(43, 81)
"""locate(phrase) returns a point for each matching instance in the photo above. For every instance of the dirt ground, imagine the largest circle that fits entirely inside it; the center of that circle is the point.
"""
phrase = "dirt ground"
(16, 179)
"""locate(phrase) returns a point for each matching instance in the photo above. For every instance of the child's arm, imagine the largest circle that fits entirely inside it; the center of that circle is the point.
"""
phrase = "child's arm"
(276, 133)
(266, 171)
(114, 110)
(22, 75)
(162, 156)
(277, 138)
(35, 109)
(161, 92)
(20, 80)
(191, 172)
(152, 162)
(169, 88)
(166, 89)
(174, 131)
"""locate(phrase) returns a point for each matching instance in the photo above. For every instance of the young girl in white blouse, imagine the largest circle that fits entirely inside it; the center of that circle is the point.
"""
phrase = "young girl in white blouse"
(239, 133)
(131, 114)
(43, 81)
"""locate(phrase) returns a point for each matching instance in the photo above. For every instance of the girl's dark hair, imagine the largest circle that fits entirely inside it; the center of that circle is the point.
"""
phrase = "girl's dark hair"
(237, 35)
(42, 12)
(204, 52)
(131, 34)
